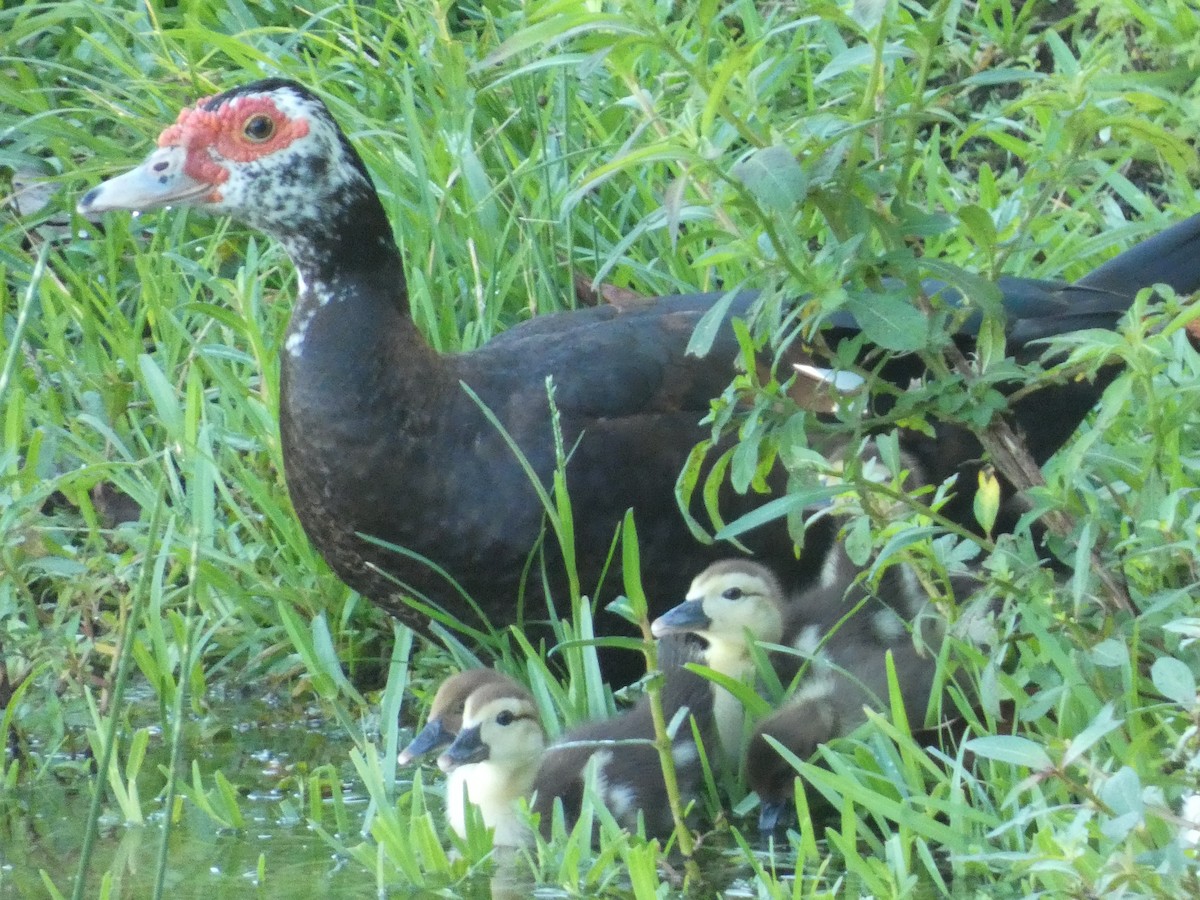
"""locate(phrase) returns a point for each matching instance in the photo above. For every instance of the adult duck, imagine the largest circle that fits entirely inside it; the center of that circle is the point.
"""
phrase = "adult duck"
(380, 438)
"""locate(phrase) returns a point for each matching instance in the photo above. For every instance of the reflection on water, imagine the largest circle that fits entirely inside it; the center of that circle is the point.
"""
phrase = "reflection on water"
(266, 755)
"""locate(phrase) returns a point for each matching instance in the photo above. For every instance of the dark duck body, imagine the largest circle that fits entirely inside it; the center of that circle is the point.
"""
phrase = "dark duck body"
(379, 438)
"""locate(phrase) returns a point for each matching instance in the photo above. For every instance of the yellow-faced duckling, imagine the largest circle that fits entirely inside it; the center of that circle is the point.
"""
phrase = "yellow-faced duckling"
(737, 602)
(493, 760)
(446, 712)
(501, 755)
(731, 604)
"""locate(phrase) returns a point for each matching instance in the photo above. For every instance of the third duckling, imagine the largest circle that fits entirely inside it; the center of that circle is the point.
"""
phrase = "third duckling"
(736, 602)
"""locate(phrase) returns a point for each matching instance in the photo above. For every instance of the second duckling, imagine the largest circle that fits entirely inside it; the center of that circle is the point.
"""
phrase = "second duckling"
(731, 604)
(501, 755)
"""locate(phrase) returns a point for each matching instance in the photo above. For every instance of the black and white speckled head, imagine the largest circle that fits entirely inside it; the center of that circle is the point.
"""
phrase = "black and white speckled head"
(268, 154)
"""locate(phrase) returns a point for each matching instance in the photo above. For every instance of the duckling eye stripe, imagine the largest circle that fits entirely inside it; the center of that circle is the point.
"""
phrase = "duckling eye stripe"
(515, 717)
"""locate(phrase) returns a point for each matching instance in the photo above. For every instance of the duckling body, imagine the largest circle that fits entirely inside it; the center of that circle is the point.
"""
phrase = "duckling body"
(628, 772)
(849, 672)
(848, 675)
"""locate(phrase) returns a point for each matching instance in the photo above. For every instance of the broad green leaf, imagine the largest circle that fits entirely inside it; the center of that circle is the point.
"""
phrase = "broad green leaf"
(1174, 680)
(1102, 724)
(987, 501)
(1110, 653)
(890, 320)
(774, 177)
(1010, 748)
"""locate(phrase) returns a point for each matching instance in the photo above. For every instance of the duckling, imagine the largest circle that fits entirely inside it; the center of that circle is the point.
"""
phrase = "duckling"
(501, 755)
(446, 712)
(731, 604)
(493, 761)
(849, 670)
(734, 603)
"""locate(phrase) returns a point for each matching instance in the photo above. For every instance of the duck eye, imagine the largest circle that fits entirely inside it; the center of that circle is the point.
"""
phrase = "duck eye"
(259, 128)
(505, 718)
(733, 593)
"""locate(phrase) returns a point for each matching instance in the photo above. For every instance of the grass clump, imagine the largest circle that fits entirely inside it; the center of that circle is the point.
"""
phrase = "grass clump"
(529, 154)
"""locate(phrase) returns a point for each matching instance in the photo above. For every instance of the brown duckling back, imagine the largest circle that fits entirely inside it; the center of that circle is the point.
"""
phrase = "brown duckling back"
(628, 774)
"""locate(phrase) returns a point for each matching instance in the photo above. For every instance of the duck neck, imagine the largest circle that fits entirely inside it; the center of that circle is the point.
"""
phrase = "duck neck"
(350, 327)
(731, 658)
(349, 260)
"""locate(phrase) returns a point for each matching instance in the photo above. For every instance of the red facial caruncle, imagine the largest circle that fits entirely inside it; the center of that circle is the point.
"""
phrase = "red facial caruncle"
(241, 130)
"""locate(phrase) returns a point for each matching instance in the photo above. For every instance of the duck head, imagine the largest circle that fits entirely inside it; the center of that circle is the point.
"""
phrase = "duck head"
(500, 726)
(267, 153)
(799, 727)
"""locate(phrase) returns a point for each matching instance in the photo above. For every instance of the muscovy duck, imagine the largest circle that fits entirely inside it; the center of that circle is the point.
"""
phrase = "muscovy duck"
(380, 438)
(493, 761)
(731, 605)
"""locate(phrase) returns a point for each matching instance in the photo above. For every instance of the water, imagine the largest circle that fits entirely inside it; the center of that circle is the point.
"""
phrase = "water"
(275, 756)
(267, 756)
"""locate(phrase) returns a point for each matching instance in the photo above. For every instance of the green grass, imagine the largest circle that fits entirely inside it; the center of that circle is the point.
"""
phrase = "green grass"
(659, 147)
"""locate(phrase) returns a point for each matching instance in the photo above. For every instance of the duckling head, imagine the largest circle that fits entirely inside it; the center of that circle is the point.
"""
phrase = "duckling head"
(500, 726)
(730, 604)
(446, 712)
